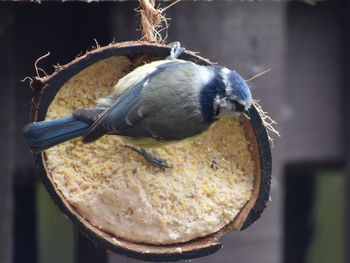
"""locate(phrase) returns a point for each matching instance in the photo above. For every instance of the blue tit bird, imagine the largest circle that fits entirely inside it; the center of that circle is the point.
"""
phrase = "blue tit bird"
(158, 103)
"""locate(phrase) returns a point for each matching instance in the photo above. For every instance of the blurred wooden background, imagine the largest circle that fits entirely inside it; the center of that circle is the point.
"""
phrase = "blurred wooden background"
(307, 48)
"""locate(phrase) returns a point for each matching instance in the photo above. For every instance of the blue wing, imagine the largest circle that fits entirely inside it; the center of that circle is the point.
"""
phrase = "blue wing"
(123, 113)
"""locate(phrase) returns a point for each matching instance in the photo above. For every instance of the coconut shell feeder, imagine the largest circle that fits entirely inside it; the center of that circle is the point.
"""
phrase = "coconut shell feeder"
(255, 133)
(81, 179)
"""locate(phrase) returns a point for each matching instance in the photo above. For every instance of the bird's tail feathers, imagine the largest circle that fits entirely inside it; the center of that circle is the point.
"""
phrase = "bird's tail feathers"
(45, 134)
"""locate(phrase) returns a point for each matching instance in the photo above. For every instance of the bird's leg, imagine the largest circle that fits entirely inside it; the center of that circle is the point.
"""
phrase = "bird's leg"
(176, 50)
(149, 157)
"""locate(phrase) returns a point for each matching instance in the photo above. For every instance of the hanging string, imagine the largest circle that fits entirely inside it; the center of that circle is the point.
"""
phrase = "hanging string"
(152, 20)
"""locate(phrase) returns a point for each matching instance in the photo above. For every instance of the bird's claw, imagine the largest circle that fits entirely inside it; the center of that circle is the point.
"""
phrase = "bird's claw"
(155, 161)
(161, 163)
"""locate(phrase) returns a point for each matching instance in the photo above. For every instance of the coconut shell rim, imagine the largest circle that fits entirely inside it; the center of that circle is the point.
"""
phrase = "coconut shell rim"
(206, 245)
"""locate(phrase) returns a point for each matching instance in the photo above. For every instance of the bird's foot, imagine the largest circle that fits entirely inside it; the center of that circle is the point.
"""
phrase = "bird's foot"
(149, 157)
(176, 50)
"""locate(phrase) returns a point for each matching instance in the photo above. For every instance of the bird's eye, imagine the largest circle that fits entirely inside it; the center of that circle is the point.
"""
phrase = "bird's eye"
(239, 107)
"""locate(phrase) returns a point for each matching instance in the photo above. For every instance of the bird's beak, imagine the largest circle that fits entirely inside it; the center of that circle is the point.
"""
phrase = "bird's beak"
(246, 114)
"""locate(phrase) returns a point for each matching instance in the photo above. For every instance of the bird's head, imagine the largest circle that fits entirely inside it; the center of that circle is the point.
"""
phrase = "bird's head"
(233, 96)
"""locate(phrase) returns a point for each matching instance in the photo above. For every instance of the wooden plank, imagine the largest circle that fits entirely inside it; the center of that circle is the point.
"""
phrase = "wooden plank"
(346, 118)
(6, 135)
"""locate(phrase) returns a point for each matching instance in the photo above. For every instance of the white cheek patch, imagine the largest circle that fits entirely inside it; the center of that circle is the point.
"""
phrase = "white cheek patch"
(226, 107)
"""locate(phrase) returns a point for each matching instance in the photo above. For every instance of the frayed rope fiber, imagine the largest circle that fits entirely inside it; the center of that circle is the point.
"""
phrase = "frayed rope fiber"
(152, 20)
(267, 121)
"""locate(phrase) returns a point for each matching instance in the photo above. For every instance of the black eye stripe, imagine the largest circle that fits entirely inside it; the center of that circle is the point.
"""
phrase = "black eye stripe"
(239, 107)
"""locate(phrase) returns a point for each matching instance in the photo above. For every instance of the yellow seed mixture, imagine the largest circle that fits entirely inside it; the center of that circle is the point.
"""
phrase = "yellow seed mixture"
(117, 191)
